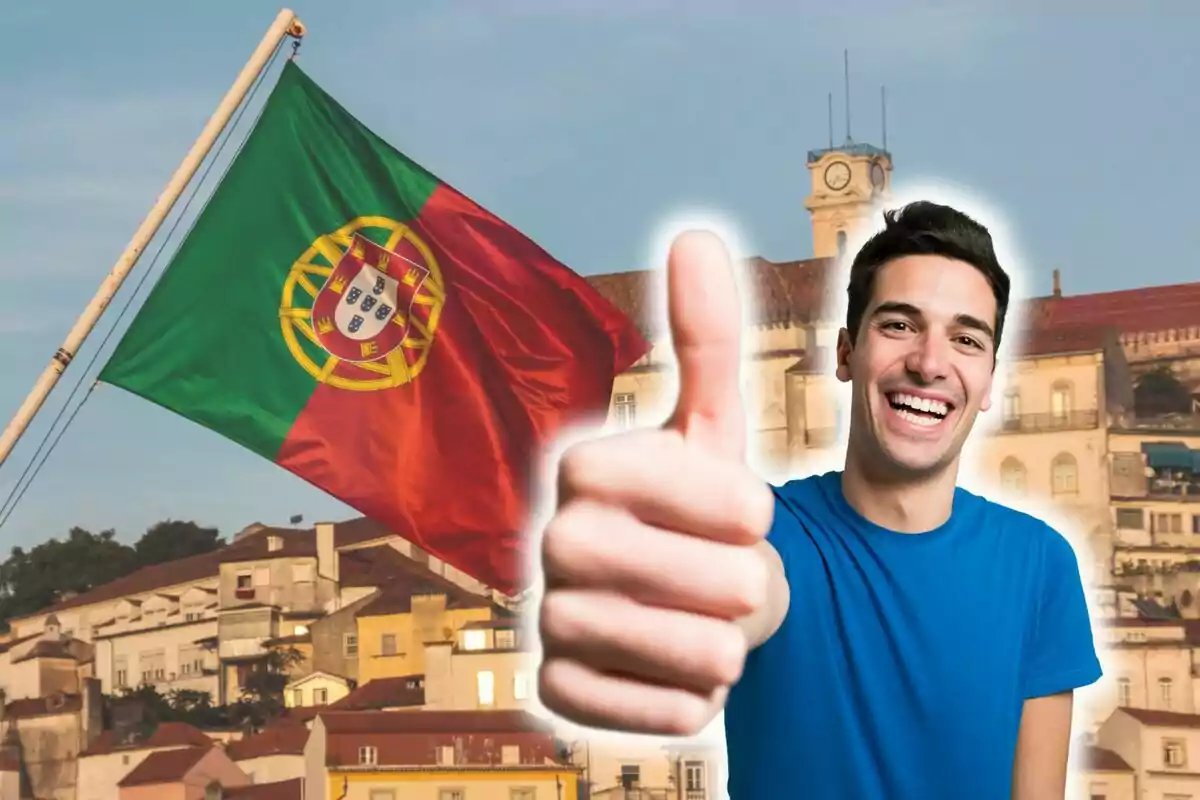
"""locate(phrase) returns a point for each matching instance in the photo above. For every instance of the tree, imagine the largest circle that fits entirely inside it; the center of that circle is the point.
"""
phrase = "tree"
(34, 579)
(179, 705)
(262, 697)
(1158, 392)
(171, 539)
(31, 580)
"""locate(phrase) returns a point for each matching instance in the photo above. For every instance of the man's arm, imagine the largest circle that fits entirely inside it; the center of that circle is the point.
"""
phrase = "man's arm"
(1043, 745)
(762, 624)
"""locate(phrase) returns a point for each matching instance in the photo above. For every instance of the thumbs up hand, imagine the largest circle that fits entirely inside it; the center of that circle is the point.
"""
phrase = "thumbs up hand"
(658, 578)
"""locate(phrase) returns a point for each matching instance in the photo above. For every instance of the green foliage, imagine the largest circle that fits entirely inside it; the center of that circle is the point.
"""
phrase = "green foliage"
(262, 697)
(31, 580)
(178, 705)
(1158, 393)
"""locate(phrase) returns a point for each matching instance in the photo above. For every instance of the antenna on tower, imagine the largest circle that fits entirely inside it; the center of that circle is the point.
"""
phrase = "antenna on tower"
(846, 71)
(831, 120)
(883, 113)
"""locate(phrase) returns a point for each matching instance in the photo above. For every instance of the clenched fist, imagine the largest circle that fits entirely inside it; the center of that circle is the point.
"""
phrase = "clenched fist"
(658, 578)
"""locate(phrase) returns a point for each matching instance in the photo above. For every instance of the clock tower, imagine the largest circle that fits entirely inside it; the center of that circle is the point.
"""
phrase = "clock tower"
(848, 183)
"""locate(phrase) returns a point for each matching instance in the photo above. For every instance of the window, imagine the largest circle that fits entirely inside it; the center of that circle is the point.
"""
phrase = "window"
(245, 580)
(350, 645)
(302, 573)
(631, 775)
(841, 243)
(387, 644)
(446, 756)
(1164, 693)
(297, 697)
(368, 756)
(1123, 696)
(451, 794)
(693, 776)
(1011, 408)
(1012, 475)
(1131, 519)
(1064, 475)
(1061, 400)
(520, 686)
(1168, 523)
(510, 754)
(506, 639)
(382, 794)
(474, 640)
(1174, 754)
(625, 409)
(320, 697)
(485, 683)
(522, 793)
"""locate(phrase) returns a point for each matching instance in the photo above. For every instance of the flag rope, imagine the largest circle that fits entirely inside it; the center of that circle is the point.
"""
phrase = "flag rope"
(27, 477)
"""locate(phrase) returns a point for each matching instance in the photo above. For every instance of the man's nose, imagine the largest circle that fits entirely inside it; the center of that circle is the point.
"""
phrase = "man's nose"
(930, 358)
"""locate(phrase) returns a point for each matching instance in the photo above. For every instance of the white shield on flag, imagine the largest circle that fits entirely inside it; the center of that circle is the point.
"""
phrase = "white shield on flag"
(367, 305)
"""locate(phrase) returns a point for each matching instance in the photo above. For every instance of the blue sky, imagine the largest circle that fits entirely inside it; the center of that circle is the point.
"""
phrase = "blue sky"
(582, 122)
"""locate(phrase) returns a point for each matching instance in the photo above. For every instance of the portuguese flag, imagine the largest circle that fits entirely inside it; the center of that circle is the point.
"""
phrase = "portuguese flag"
(342, 312)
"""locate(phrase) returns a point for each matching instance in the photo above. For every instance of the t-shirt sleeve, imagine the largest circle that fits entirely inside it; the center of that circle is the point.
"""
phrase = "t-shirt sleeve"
(1062, 652)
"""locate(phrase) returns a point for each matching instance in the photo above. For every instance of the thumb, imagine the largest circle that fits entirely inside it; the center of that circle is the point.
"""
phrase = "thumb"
(705, 313)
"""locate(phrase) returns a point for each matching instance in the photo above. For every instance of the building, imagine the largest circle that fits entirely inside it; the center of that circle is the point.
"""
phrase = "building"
(436, 755)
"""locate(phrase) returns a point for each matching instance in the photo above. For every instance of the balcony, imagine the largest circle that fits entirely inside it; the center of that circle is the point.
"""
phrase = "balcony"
(1050, 423)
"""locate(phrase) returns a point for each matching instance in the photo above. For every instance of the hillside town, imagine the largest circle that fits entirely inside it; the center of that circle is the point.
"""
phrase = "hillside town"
(397, 676)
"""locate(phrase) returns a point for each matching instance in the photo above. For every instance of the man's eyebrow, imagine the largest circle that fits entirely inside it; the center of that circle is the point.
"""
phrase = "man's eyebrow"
(909, 310)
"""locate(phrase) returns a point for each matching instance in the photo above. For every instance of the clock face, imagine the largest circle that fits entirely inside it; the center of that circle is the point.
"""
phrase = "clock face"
(877, 175)
(837, 175)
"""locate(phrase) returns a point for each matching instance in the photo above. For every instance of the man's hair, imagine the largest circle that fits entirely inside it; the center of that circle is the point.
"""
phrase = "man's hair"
(925, 228)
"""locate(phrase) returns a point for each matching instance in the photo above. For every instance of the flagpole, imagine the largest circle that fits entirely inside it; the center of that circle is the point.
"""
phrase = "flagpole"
(286, 24)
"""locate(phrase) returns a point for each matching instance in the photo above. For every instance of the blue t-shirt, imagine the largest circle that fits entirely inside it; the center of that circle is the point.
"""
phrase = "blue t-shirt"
(901, 668)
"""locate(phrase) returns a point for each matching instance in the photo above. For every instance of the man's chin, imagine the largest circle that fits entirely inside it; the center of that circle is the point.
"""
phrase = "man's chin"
(907, 459)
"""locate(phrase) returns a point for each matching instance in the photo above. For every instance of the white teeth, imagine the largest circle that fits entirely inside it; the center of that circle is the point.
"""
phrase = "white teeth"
(920, 404)
(918, 420)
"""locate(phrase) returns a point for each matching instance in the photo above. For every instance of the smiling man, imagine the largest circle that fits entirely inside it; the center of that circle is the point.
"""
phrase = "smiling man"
(875, 632)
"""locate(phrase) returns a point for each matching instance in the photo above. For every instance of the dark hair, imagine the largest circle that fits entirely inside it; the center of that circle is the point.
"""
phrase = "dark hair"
(925, 228)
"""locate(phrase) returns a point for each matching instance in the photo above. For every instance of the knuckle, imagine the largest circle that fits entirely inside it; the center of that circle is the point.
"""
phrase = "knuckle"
(753, 505)
(750, 579)
(561, 620)
(688, 714)
(565, 544)
(577, 467)
(728, 654)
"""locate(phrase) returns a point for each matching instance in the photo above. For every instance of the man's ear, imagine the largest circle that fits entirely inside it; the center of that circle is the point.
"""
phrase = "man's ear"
(844, 347)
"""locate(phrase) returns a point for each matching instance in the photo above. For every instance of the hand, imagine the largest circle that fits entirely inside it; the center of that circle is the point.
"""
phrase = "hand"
(649, 560)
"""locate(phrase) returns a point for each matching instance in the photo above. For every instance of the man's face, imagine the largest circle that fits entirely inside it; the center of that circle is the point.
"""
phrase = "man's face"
(922, 367)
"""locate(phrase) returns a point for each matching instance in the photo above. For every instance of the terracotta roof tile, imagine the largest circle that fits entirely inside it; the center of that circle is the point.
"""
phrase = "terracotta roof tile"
(1057, 339)
(799, 291)
(400, 578)
(250, 547)
(280, 739)
(1097, 759)
(1141, 310)
(1163, 719)
(165, 766)
(67, 649)
(280, 790)
(787, 292)
(411, 738)
(433, 721)
(166, 734)
(11, 643)
(384, 693)
(256, 547)
(44, 706)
